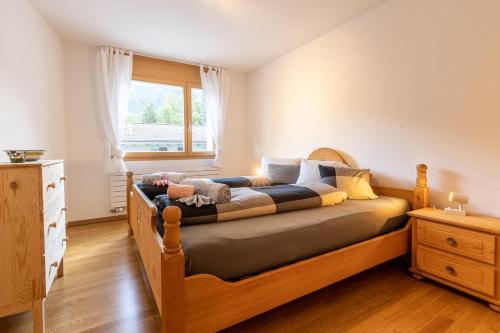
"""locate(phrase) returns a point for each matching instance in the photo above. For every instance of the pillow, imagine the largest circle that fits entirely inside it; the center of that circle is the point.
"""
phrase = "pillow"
(283, 174)
(281, 170)
(355, 182)
(309, 171)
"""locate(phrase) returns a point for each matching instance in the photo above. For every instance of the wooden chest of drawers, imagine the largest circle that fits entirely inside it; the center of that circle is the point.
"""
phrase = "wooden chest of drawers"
(462, 252)
(32, 235)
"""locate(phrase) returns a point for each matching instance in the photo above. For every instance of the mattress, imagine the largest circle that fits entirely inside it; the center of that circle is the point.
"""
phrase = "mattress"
(235, 249)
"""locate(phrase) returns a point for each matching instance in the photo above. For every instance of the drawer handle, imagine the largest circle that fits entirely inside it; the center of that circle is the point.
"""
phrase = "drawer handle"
(65, 239)
(62, 179)
(54, 264)
(64, 209)
(450, 270)
(51, 185)
(52, 225)
(451, 241)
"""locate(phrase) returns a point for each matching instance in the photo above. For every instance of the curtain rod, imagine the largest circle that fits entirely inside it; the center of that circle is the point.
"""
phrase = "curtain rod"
(154, 56)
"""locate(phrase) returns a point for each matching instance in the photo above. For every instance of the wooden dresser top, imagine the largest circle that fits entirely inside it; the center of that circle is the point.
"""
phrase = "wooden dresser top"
(474, 222)
(40, 163)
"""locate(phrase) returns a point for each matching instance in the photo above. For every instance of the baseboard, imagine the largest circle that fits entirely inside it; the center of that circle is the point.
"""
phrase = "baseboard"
(98, 220)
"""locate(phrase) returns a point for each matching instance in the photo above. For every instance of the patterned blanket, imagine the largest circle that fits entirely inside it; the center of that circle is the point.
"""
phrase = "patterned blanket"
(256, 201)
(242, 181)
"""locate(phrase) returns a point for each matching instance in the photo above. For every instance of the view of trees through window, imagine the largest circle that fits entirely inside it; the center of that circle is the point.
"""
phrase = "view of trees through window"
(155, 119)
(199, 121)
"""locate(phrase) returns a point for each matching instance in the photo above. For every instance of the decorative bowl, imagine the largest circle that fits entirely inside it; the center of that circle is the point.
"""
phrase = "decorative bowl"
(15, 156)
(33, 155)
(20, 156)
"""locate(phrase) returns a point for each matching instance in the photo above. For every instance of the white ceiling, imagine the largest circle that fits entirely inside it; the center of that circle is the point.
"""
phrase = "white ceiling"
(238, 34)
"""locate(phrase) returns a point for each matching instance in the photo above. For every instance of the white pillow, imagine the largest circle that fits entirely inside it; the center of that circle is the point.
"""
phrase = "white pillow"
(309, 170)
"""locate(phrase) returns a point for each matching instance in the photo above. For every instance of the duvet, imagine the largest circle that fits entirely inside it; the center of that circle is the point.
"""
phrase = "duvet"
(256, 201)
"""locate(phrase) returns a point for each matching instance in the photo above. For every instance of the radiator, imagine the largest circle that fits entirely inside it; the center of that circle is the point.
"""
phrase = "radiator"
(119, 183)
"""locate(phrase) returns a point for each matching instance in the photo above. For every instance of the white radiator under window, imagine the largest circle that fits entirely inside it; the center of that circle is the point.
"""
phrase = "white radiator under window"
(119, 183)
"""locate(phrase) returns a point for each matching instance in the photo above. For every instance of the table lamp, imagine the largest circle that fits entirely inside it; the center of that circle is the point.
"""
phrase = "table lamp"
(459, 198)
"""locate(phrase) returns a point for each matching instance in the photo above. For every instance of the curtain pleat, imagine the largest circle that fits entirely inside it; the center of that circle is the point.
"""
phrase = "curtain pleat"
(114, 73)
(215, 83)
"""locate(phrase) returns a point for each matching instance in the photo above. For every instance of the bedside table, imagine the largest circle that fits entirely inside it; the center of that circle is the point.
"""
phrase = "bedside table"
(462, 252)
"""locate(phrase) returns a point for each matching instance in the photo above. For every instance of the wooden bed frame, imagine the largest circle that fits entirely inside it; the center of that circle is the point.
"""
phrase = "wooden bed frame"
(205, 303)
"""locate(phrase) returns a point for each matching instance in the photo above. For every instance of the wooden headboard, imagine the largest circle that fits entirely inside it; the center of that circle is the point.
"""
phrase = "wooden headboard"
(326, 154)
(417, 198)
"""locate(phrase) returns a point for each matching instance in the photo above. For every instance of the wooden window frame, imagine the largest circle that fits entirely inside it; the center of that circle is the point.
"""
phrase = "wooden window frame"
(176, 74)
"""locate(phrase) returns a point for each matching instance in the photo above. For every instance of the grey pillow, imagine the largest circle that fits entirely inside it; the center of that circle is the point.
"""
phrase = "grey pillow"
(283, 174)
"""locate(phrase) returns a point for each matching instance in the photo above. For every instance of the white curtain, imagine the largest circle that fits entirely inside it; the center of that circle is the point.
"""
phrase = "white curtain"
(114, 73)
(215, 83)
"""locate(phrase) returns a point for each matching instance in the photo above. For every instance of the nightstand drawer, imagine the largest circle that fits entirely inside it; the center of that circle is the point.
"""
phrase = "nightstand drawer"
(471, 244)
(461, 271)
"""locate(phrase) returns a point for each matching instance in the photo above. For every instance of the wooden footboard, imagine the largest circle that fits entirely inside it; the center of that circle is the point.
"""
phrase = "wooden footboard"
(212, 304)
(142, 219)
(162, 258)
(205, 303)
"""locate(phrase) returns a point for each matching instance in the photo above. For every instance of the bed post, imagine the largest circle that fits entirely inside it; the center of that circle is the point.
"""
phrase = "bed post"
(172, 273)
(130, 183)
(421, 193)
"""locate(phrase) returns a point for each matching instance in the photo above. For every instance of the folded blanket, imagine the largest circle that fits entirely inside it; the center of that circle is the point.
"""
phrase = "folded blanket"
(197, 200)
(255, 201)
(174, 177)
(178, 191)
(151, 191)
(220, 193)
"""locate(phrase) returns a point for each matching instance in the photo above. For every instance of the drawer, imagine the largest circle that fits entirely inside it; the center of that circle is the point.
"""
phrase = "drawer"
(54, 218)
(53, 182)
(52, 190)
(458, 270)
(471, 244)
(53, 257)
(50, 172)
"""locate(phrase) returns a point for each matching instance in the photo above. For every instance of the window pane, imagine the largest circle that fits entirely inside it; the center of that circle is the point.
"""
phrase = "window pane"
(155, 118)
(201, 133)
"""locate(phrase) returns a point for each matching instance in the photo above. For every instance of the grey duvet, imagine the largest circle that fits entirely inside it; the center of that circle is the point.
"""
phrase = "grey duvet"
(249, 246)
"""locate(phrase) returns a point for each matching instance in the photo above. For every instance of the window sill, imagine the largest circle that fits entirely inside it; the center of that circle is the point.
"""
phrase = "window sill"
(159, 157)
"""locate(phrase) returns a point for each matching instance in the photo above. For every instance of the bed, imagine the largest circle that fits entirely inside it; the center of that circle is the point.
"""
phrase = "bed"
(250, 246)
(292, 258)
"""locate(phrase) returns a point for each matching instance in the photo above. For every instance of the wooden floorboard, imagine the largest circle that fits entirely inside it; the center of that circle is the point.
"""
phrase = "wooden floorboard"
(104, 290)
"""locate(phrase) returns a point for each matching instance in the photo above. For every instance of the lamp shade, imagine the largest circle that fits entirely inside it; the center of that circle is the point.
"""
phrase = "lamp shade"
(459, 198)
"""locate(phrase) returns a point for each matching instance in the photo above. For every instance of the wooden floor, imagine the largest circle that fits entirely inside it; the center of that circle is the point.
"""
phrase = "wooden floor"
(105, 290)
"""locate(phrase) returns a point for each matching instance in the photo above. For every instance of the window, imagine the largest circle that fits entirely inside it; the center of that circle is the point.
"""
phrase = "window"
(166, 116)
(201, 135)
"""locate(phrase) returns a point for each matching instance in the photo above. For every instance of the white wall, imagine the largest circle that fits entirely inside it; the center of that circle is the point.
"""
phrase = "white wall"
(32, 114)
(408, 82)
(88, 181)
